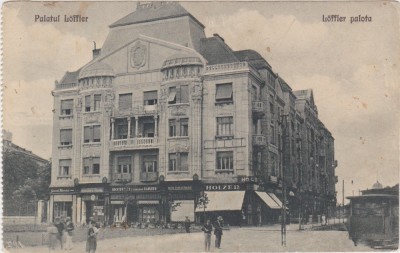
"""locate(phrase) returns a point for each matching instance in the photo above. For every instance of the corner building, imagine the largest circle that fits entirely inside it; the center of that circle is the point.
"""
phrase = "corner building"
(163, 115)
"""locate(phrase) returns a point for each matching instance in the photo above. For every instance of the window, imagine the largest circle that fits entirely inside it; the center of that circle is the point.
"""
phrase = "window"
(64, 170)
(225, 161)
(150, 97)
(97, 102)
(91, 165)
(271, 108)
(149, 163)
(178, 162)
(224, 93)
(121, 127)
(172, 127)
(67, 106)
(124, 164)
(178, 127)
(87, 103)
(66, 137)
(178, 95)
(224, 126)
(272, 132)
(184, 126)
(125, 101)
(91, 134)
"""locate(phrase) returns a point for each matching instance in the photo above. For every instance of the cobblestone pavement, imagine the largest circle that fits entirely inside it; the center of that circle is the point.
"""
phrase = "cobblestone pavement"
(249, 239)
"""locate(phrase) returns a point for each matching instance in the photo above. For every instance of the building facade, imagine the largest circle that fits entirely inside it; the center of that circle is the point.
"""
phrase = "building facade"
(163, 116)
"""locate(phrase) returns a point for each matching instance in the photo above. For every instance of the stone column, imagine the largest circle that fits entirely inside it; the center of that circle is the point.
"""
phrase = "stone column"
(155, 126)
(129, 127)
(136, 126)
(78, 210)
(112, 129)
(50, 209)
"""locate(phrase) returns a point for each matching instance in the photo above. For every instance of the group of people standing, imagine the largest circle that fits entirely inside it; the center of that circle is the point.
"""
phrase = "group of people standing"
(61, 231)
(208, 228)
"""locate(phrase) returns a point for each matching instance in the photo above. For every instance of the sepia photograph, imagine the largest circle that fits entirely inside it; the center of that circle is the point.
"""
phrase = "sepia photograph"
(200, 126)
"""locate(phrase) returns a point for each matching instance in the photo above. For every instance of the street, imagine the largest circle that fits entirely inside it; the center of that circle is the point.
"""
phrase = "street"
(249, 239)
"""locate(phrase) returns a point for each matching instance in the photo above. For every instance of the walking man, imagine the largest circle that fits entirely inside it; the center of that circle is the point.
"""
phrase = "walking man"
(60, 229)
(187, 225)
(218, 232)
(207, 229)
(69, 228)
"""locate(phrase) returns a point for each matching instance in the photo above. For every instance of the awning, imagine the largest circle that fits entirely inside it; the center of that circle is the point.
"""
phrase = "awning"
(223, 201)
(276, 199)
(148, 202)
(268, 200)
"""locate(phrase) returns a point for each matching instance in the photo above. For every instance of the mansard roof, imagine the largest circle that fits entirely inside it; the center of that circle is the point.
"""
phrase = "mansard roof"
(216, 51)
(305, 94)
(154, 11)
(70, 77)
(253, 57)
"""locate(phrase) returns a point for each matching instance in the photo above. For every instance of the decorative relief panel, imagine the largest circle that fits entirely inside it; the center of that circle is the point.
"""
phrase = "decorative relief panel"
(91, 150)
(197, 92)
(179, 110)
(179, 145)
(92, 118)
(138, 55)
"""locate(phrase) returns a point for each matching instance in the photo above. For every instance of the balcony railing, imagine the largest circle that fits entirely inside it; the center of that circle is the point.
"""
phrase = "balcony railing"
(134, 143)
(122, 177)
(259, 140)
(137, 110)
(227, 67)
(258, 107)
(61, 86)
(148, 176)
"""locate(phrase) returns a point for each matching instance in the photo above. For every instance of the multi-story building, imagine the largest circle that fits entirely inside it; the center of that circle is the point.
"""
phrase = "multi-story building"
(163, 115)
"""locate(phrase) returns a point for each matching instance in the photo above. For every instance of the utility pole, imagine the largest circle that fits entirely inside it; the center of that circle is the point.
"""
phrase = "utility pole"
(283, 220)
(343, 197)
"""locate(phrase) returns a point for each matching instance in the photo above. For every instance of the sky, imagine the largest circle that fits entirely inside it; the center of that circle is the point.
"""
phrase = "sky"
(353, 68)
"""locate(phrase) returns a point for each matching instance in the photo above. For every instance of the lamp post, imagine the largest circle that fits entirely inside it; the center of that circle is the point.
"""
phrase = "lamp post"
(283, 220)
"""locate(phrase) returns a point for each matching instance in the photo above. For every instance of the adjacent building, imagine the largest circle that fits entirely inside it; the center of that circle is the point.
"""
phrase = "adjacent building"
(163, 117)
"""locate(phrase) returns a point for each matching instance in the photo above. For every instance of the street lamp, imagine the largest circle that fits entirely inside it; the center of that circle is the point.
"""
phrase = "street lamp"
(284, 124)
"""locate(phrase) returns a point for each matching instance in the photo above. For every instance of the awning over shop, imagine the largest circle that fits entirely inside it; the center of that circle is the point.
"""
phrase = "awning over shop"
(223, 201)
(275, 198)
(268, 200)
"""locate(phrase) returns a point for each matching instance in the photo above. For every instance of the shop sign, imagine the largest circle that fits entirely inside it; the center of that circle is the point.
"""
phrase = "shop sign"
(222, 187)
(248, 179)
(62, 190)
(134, 188)
(98, 207)
(180, 188)
(92, 190)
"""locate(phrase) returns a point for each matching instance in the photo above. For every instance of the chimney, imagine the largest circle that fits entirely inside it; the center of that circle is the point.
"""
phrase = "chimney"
(96, 52)
(217, 35)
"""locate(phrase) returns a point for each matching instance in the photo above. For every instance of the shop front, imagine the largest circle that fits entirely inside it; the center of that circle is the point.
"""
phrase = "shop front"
(61, 202)
(135, 205)
(93, 204)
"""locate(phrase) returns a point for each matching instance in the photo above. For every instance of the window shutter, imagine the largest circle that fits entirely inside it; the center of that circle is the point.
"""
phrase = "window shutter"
(184, 166)
(66, 135)
(87, 133)
(87, 101)
(96, 132)
(67, 104)
(96, 160)
(172, 94)
(184, 94)
(125, 101)
(65, 162)
(86, 162)
(224, 91)
(150, 95)
(124, 160)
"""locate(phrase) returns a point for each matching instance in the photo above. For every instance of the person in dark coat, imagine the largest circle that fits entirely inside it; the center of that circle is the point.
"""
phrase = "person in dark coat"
(187, 225)
(207, 229)
(91, 243)
(218, 232)
(60, 229)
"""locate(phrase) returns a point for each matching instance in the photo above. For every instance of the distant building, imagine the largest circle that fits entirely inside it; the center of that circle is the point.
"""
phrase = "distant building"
(163, 114)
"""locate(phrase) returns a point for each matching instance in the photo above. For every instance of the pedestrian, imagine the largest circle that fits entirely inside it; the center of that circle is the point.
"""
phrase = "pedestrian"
(91, 242)
(60, 229)
(52, 232)
(218, 231)
(69, 228)
(187, 225)
(207, 229)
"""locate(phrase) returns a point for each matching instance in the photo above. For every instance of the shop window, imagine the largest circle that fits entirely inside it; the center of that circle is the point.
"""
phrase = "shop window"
(64, 169)
(91, 165)
(124, 164)
(97, 102)
(67, 107)
(225, 161)
(87, 103)
(149, 163)
(91, 134)
(62, 209)
(125, 101)
(224, 126)
(66, 137)
(178, 162)
(150, 97)
(224, 93)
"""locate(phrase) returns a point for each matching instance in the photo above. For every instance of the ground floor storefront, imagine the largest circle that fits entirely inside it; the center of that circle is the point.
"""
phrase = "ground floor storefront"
(241, 203)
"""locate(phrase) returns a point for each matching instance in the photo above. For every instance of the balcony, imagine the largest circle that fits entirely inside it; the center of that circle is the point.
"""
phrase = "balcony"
(122, 177)
(134, 143)
(259, 140)
(148, 176)
(257, 107)
(138, 110)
